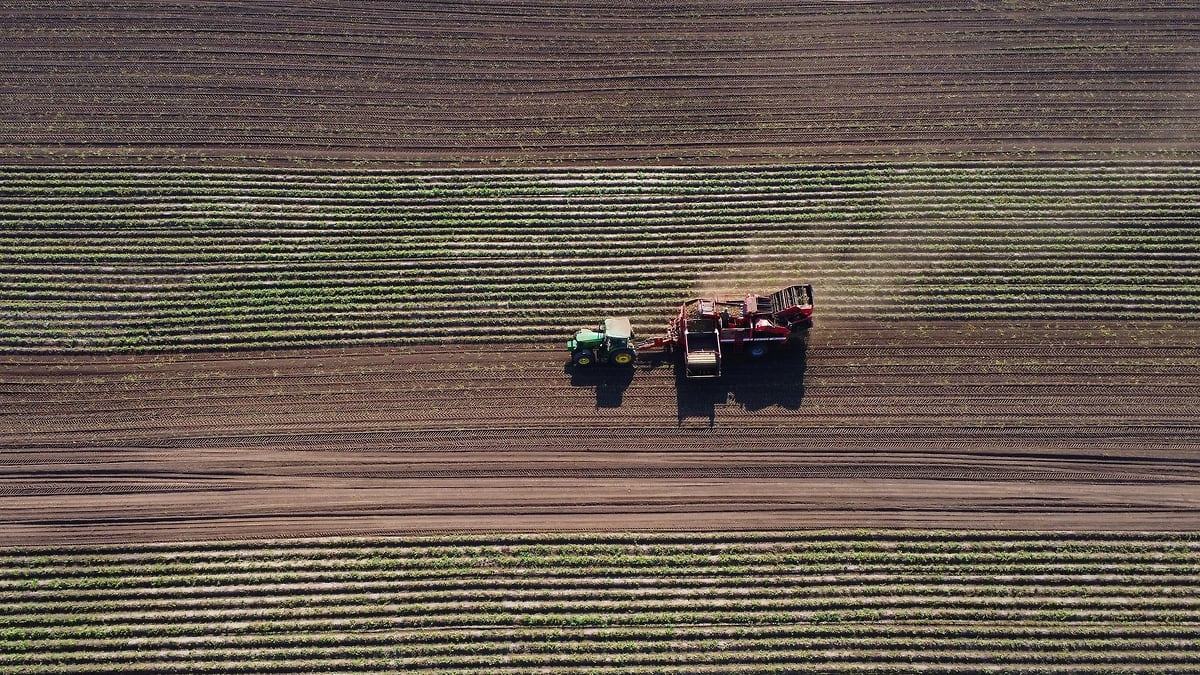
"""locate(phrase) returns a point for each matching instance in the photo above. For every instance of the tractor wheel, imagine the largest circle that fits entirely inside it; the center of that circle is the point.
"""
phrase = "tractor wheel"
(583, 357)
(757, 350)
(622, 357)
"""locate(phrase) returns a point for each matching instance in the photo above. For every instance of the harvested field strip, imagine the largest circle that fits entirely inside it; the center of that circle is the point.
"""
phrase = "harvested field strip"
(156, 258)
(1054, 426)
(835, 601)
(1014, 384)
(582, 83)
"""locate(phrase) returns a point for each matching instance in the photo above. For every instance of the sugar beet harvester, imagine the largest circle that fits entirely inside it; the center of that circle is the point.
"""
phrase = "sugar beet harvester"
(705, 330)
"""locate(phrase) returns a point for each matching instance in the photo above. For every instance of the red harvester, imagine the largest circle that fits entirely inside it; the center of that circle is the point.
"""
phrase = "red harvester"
(751, 324)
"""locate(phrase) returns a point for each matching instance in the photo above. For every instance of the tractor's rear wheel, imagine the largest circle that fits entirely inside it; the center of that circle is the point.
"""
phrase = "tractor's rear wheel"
(622, 357)
(583, 357)
(757, 350)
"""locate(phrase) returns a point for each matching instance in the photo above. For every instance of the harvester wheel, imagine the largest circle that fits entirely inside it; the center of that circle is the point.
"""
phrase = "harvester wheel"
(622, 357)
(583, 357)
(757, 350)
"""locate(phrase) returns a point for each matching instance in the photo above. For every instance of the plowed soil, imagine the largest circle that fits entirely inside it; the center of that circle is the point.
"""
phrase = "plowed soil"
(1062, 426)
(585, 82)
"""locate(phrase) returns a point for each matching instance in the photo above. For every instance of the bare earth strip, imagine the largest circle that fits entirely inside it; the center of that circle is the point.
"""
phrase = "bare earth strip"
(1046, 426)
(590, 83)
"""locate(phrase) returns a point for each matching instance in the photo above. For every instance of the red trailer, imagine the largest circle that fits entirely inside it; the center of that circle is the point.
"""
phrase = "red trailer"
(709, 328)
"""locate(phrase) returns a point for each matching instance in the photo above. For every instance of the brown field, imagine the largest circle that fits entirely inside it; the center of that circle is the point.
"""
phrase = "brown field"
(284, 288)
(878, 424)
(588, 83)
(1060, 427)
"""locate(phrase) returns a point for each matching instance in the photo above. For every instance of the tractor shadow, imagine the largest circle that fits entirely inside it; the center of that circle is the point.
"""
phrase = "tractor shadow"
(610, 382)
(776, 380)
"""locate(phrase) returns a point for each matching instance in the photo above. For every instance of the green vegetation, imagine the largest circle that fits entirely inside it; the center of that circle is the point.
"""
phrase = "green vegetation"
(146, 258)
(863, 601)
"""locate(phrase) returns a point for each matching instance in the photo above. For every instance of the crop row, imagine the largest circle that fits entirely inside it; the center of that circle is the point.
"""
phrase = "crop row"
(162, 259)
(835, 601)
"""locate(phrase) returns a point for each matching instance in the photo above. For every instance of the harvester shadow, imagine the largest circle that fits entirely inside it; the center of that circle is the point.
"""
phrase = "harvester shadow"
(753, 384)
(610, 382)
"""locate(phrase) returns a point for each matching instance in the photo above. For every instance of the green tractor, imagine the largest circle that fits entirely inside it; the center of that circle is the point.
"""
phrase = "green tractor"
(611, 342)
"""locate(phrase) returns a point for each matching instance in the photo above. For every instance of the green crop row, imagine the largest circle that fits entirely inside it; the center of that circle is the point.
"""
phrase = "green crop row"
(836, 602)
(166, 259)
(491, 182)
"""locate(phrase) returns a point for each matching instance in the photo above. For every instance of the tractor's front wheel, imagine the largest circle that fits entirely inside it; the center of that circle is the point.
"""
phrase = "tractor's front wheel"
(583, 357)
(622, 357)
